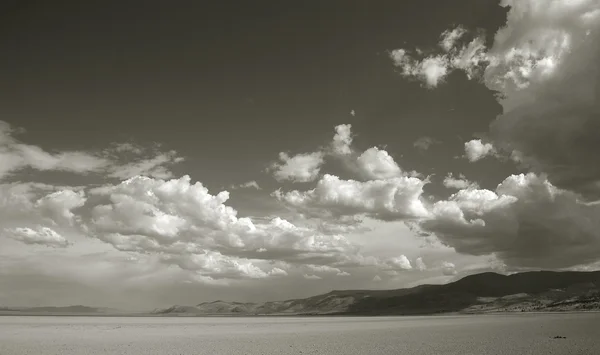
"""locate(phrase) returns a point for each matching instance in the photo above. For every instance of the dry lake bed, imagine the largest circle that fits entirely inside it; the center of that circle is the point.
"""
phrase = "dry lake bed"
(480, 334)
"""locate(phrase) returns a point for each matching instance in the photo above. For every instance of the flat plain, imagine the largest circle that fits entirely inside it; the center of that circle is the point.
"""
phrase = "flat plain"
(475, 334)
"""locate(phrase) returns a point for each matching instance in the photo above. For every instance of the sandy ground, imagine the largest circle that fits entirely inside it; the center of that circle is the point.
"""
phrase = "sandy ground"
(481, 334)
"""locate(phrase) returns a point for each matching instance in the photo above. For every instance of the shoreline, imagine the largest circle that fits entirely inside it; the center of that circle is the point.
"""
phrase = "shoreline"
(150, 315)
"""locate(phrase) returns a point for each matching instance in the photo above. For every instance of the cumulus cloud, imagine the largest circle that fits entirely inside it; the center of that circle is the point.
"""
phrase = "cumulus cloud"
(389, 199)
(58, 205)
(326, 269)
(182, 220)
(342, 140)
(525, 222)
(476, 150)
(35, 213)
(299, 168)
(448, 268)
(543, 65)
(399, 263)
(423, 143)
(375, 163)
(218, 266)
(459, 183)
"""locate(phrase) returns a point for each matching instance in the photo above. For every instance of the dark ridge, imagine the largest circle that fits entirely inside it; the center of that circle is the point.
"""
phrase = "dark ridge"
(485, 292)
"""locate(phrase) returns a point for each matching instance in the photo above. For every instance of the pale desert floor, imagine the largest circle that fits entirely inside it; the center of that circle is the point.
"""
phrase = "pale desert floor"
(481, 334)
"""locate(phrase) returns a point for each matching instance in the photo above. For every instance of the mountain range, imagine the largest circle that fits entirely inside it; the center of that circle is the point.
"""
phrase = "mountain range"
(487, 292)
(538, 291)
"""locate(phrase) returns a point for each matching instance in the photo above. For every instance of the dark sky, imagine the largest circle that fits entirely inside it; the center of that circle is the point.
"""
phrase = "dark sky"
(230, 83)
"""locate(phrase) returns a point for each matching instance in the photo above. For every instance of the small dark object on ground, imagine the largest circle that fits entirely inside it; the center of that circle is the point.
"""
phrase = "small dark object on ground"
(559, 337)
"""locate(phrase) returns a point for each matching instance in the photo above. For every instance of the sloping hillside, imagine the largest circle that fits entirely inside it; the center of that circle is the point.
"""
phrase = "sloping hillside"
(486, 292)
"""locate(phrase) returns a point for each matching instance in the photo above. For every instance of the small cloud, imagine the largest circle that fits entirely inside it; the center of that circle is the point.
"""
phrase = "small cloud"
(420, 265)
(376, 164)
(431, 70)
(423, 143)
(342, 139)
(450, 37)
(298, 168)
(126, 147)
(377, 278)
(448, 268)
(312, 277)
(476, 150)
(247, 185)
(353, 113)
(401, 262)
(459, 183)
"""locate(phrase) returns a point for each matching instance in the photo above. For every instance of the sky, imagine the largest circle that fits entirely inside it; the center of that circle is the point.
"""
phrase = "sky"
(255, 151)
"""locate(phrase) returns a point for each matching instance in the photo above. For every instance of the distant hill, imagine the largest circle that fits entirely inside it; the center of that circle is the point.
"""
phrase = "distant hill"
(486, 292)
(482, 293)
(78, 309)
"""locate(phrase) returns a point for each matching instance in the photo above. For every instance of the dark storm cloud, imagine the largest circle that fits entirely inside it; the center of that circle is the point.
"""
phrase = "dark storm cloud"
(544, 66)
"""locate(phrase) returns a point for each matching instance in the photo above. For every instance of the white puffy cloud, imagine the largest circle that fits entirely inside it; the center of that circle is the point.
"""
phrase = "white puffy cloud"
(459, 183)
(476, 150)
(342, 140)
(38, 235)
(312, 277)
(183, 221)
(217, 266)
(326, 269)
(375, 163)
(38, 214)
(399, 263)
(526, 222)
(448, 268)
(299, 168)
(389, 199)
(58, 205)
